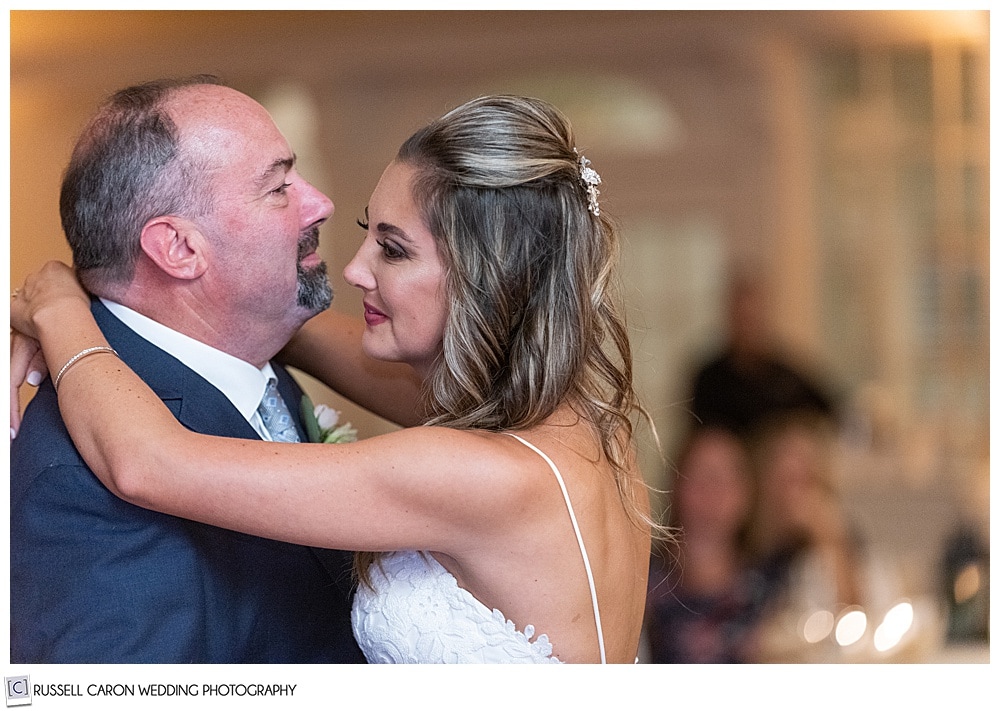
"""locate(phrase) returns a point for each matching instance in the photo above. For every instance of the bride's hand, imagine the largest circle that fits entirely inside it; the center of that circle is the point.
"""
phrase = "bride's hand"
(52, 286)
(27, 365)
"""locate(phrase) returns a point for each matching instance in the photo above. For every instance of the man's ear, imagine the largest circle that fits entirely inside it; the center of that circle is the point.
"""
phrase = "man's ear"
(175, 245)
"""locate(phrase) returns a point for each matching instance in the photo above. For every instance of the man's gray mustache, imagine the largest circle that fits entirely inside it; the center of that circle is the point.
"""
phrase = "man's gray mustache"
(308, 242)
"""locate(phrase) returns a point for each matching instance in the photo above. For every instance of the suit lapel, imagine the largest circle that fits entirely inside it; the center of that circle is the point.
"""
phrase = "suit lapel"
(199, 405)
(195, 402)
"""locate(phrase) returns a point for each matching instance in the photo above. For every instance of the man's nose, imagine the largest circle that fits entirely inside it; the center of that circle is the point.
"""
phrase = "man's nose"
(317, 207)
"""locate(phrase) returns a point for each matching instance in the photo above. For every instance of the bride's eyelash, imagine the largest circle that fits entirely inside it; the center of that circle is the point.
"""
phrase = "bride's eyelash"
(362, 224)
(392, 251)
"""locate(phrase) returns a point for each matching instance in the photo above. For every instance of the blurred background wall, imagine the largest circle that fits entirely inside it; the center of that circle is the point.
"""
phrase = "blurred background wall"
(840, 155)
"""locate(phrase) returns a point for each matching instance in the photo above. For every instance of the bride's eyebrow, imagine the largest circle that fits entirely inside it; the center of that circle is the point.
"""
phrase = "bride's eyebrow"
(387, 228)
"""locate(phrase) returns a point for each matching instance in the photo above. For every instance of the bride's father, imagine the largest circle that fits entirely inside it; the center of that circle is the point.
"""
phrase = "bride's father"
(188, 220)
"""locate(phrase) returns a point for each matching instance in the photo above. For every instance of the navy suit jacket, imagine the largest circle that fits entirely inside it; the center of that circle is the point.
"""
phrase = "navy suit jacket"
(97, 580)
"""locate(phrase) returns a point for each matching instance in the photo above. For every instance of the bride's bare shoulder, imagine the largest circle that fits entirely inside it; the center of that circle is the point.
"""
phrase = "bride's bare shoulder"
(481, 468)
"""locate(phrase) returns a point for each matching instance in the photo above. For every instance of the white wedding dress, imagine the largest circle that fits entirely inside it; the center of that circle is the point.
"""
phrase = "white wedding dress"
(418, 614)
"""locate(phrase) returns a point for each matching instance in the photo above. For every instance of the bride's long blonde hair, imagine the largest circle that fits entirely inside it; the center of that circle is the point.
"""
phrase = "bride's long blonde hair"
(536, 318)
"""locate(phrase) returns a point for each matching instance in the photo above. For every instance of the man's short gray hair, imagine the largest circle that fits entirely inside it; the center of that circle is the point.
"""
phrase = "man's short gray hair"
(126, 169)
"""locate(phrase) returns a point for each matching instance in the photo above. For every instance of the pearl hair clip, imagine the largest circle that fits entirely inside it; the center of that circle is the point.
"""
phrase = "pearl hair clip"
(590, 180)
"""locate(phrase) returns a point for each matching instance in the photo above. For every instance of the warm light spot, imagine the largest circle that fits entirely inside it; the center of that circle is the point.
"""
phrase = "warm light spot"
(851, 627)
(967, 583)
(897, 622)
(817, 626)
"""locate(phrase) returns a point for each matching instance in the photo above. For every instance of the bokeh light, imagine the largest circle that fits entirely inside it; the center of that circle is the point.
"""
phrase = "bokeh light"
(851, 627)
(817, 626)
(895, 625)
(966, 583)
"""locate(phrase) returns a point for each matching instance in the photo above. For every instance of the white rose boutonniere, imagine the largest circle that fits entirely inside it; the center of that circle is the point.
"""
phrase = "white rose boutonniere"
(323, 424)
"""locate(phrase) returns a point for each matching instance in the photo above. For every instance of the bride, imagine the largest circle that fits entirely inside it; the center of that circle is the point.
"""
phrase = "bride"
(514, 525)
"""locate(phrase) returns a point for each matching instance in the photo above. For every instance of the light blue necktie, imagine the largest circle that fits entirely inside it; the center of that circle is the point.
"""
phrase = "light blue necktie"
(276, 416)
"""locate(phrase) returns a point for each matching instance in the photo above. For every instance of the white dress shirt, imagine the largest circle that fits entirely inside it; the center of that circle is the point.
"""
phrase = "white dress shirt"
(241, 382)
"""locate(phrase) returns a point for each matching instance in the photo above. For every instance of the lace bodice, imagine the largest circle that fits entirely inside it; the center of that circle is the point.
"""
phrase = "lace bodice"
(418, 614)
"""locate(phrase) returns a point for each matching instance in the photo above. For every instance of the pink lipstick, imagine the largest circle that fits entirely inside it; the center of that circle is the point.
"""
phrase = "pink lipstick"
(373, 316)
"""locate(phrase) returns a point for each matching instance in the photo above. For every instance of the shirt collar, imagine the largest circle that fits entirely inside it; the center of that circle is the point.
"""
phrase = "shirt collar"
(241, 382)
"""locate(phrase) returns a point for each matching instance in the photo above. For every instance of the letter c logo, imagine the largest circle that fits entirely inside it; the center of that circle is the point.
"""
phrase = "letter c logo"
(17, 687)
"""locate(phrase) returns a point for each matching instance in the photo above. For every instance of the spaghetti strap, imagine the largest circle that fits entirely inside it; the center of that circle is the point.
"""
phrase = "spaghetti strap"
(579, 539)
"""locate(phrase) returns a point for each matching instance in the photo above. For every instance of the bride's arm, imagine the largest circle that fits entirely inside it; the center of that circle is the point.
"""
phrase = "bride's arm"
(426, 487)
(328, 347)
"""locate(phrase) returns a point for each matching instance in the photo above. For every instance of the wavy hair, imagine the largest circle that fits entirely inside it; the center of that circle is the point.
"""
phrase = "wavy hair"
(536, 318)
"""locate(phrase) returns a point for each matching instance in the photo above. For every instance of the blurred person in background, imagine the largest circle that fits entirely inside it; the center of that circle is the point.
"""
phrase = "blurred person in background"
(752, 378)
(799, 538)
(704, 599)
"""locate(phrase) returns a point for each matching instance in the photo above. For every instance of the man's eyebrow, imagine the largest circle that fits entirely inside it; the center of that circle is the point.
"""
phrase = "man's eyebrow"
(281, 165)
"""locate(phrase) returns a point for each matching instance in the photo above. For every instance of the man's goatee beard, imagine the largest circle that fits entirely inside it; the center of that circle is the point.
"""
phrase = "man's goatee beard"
(315, 291)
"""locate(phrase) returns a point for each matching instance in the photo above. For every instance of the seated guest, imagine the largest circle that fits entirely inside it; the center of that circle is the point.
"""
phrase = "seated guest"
(799, 538)
(703, 599)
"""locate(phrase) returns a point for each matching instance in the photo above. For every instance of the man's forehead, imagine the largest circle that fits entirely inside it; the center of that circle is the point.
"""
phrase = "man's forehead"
(234, 132)
(219, 112)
